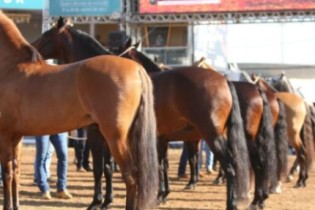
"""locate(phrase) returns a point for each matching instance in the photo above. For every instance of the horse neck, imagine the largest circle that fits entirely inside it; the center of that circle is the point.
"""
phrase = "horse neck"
(264, 86)
(147, 63)
(15, 49)
(84, 46)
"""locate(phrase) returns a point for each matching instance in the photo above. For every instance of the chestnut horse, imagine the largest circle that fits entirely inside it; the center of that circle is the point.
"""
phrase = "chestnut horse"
(216, 117)
(37, 99)
(298, 124)
(282, 84)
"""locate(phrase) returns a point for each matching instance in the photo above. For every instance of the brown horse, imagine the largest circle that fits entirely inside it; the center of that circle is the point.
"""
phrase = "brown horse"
(282, 84)
(296, 116)
(268, 149)
(216, 118)
(37, 99)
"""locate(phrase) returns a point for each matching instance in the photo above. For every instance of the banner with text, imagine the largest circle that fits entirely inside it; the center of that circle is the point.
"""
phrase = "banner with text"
(84, 7)
(184, 6)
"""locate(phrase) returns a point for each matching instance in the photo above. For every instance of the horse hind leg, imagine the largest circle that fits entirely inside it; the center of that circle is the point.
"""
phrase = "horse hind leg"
(193, 158)
(303, 168)
(96, 142)
(164, 189)
(16, 175)
(108, 177)
(10, 163)
(293, 169)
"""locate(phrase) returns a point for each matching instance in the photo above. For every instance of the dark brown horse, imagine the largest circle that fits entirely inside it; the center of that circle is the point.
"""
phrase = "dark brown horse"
(216, 118)
(37, 98)
(298, 126)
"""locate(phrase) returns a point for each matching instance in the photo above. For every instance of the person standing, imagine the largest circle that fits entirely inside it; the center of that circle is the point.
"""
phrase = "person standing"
(60, 144)
(82, 151)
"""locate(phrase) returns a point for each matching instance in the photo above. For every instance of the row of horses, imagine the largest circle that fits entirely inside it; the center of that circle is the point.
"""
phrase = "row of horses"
(128, 102)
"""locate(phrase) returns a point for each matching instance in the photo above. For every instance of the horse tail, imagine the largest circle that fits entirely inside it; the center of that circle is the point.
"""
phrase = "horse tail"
(144, 147)
(312, 112)
(266, 143)
(307, 137)
(281, 139)
(238, 147)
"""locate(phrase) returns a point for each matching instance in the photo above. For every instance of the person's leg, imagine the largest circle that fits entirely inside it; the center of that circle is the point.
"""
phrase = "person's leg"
(48, 160)
(209, 159)
(42, 147)
(85, 150)
(182, 162)
(79, 149)
(60, 143)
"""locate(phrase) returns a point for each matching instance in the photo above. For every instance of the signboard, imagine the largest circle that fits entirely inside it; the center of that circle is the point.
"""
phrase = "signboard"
(22, 4)
(185, 6)
(84, 7)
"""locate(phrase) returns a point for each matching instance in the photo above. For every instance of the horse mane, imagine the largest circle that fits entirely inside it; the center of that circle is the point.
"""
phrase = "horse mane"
(9, 29)
(147, 63)
(90, 41)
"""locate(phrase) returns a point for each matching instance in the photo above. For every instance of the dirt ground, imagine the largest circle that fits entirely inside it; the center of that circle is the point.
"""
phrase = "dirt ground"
(204, 197)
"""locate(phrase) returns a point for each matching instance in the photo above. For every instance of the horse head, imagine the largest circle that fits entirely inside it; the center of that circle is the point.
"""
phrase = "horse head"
(48, 44)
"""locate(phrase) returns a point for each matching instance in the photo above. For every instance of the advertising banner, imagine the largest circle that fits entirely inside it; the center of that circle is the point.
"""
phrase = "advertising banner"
(84, 7)
(22, 4)
(186, 6)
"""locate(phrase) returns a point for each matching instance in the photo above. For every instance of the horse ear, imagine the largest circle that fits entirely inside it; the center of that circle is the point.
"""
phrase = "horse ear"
(282, 75)
(127, 43)
(137, 44)
(60, 22)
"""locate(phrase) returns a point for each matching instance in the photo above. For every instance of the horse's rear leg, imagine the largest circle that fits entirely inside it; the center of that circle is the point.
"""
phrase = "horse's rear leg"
(122, 156)
(193, 159)
(164, 189)
(16, 175)
(108, 177)
(96, 142)
(303, 175)
(293, 170)
(10, 162)
(220, 179)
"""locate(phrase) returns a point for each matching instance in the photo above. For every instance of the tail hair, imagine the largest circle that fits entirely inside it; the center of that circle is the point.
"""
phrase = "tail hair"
(238, 146)
(266, 143)
(144, 147)
(281, 139)
(307, 137)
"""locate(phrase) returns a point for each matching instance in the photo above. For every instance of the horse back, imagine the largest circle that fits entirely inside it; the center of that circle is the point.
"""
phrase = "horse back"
(186, 95)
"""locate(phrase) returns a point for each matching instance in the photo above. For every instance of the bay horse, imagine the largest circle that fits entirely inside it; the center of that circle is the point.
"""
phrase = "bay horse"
(216, 117)
(38, 98)
(282, 84)
(298, 127)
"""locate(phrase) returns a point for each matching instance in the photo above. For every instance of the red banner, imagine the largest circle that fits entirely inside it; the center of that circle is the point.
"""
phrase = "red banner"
(190, 6)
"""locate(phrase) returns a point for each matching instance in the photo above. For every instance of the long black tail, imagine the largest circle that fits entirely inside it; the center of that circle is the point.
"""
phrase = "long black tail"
(144, 147)
(312, 111)
(237, 145)
(307, 137)
(281, 139)
(266, 144)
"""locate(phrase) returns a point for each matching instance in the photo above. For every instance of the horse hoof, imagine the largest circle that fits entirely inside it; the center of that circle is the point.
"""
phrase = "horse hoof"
(93, 207)
(289, 178)
(217, 182)
(252, 207)
(298, 185)
(189, 187)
